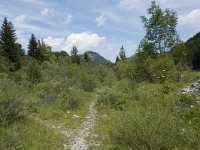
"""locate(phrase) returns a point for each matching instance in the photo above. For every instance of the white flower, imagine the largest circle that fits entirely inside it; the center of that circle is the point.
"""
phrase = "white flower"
(191, 106)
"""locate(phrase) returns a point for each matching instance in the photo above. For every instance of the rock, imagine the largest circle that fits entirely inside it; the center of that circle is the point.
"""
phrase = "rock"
(197, 87)
(65, 146)
(194, 84)
(185, 90)
(75, 116)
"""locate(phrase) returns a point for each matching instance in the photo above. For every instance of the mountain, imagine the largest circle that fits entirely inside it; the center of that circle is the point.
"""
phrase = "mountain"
(95, 57)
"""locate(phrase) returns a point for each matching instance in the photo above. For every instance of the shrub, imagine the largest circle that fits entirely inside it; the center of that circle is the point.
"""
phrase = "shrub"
(88, 82)
(11, 107)
(149, 128)
(47, 93)
(111, 98)
(34, 73)
(186, 100)
(72, 99)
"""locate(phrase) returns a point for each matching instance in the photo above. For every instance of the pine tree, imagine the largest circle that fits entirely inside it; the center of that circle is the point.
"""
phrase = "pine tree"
(117, 59)
(122, 53)
(32, 47)
(87, 57)
(74, 51)
(10, 49)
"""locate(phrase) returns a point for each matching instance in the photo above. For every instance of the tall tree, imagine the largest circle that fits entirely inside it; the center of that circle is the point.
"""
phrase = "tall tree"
(32, 46)
(87, 57)
(122, 53)
(10, 48)
(160, 29)
(74, 54)
(74, 51)
(117, 59)
(193, 51)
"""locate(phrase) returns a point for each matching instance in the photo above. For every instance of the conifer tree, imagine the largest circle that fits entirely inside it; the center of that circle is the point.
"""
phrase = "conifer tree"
(74, 50)
(122, 53)
(87, 57)
(117, 59)
(10, 49)
(32, 47)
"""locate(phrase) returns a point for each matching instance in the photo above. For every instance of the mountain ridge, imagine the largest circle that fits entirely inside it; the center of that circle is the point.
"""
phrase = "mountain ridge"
(95, 57)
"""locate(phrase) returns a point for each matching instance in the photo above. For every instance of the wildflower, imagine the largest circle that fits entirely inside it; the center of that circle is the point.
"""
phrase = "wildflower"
(158, 77)
(198, 102)
(191, 106)
(163, 70)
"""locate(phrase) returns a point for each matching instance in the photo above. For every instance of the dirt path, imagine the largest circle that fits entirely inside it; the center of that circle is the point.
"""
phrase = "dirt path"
(77, 138)
(79, 141)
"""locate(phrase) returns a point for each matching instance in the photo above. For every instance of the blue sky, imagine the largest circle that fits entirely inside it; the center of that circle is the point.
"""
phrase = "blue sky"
(99, 25)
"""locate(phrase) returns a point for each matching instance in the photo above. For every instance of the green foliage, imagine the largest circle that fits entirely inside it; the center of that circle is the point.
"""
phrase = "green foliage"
(87, 82)
(76, 59)
(160, 29)
(187, 100)
(32, 47)
(72, 99)
(34, 73)
(74, 51)
(11, 107)
(4, 64)
(86, 57)
(152, 70)
(47, 93)
(122, 54)
(179, 53)
(193, 53)
(112, 98)
(10, 49)
(28, 134)
(151, 119)
(117, 59)
(110, 78)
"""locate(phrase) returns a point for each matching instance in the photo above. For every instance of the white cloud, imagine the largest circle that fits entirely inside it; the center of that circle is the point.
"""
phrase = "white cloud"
(68, 18)
(100, 20)
(47, 12)
(54, 42)
(22, 38)
(133, 5)
(191, 19)
(20, 18)
(33, 1)
(83, 41)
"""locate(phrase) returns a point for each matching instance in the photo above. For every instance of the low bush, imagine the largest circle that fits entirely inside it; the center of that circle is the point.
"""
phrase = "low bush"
(72, 99)
(11, 107)
(112, 98)
(34, 73)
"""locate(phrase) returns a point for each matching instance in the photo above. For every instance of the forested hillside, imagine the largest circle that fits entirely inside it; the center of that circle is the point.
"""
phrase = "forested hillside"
(55, 100)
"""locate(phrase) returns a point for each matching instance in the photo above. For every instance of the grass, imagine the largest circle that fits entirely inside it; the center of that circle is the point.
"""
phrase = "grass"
(29, 135)
(155, 116)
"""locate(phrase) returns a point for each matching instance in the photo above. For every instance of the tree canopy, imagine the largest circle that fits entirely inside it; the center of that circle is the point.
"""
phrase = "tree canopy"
(160, 28)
